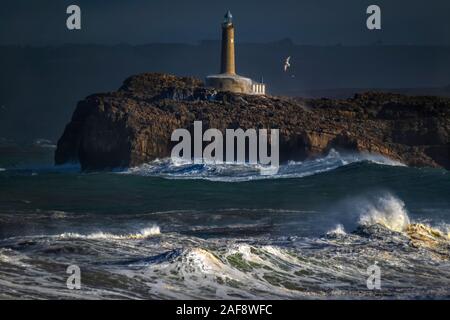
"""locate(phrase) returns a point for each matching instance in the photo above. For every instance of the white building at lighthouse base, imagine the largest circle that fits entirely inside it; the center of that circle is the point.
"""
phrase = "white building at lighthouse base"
(235, 83)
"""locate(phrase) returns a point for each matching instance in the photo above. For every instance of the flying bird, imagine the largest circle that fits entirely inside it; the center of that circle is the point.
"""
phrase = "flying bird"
(287, 63)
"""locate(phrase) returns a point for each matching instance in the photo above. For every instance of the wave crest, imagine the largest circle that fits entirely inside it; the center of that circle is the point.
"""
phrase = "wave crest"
(232, 172)
(142, 234)
(390, 212)
(387, 211)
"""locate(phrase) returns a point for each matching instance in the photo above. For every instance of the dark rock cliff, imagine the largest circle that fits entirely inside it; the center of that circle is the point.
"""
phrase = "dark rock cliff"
(134, 124)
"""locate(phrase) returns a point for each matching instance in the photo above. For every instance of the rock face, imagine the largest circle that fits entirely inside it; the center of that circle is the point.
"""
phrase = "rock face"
(134, 124)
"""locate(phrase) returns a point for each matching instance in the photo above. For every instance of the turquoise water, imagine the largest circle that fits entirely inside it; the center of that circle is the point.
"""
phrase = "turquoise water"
(165, 230)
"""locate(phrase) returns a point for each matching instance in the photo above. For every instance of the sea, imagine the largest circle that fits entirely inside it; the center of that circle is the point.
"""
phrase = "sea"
(343, 226)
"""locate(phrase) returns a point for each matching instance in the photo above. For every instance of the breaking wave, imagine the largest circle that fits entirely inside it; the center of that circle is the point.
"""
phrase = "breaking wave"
(232, 172)
(141, 241)
(388, 211)
(142, 234)
(339, 230)
(181, 266)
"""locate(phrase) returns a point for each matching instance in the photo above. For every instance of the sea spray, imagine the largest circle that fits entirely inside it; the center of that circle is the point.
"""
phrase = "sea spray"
(338, 230)
(387, 211)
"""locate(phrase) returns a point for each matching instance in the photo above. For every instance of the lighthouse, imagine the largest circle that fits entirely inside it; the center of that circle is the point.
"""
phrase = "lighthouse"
(227, 79)
(228, 64)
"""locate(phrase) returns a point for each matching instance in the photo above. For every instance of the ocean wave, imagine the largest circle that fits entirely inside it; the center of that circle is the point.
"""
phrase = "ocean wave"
(387, 211)
(185, 267)
(232, 172)
(2, 169)
(198, 272)
(13, 258)
(338, 230)
(142, 234)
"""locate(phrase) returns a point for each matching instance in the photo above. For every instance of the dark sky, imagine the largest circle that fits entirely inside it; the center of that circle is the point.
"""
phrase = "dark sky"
(43, 22)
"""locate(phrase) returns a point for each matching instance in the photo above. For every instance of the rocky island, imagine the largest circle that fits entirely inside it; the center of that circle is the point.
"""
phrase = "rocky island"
(133, 125)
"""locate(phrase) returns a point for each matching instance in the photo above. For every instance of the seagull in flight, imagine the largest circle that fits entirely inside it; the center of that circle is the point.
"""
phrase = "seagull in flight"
(287, 63)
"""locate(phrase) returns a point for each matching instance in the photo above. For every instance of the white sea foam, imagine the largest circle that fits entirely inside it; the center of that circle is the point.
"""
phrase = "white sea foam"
(338, 230)
(247, 253)
(387, 211)
(142, 234)
(204, 261)
(279, 253)
(2, 169)
(239, 270)
(11, 257)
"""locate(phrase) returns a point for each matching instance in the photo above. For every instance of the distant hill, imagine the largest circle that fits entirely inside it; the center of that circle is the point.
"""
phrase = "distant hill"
(39, 87)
